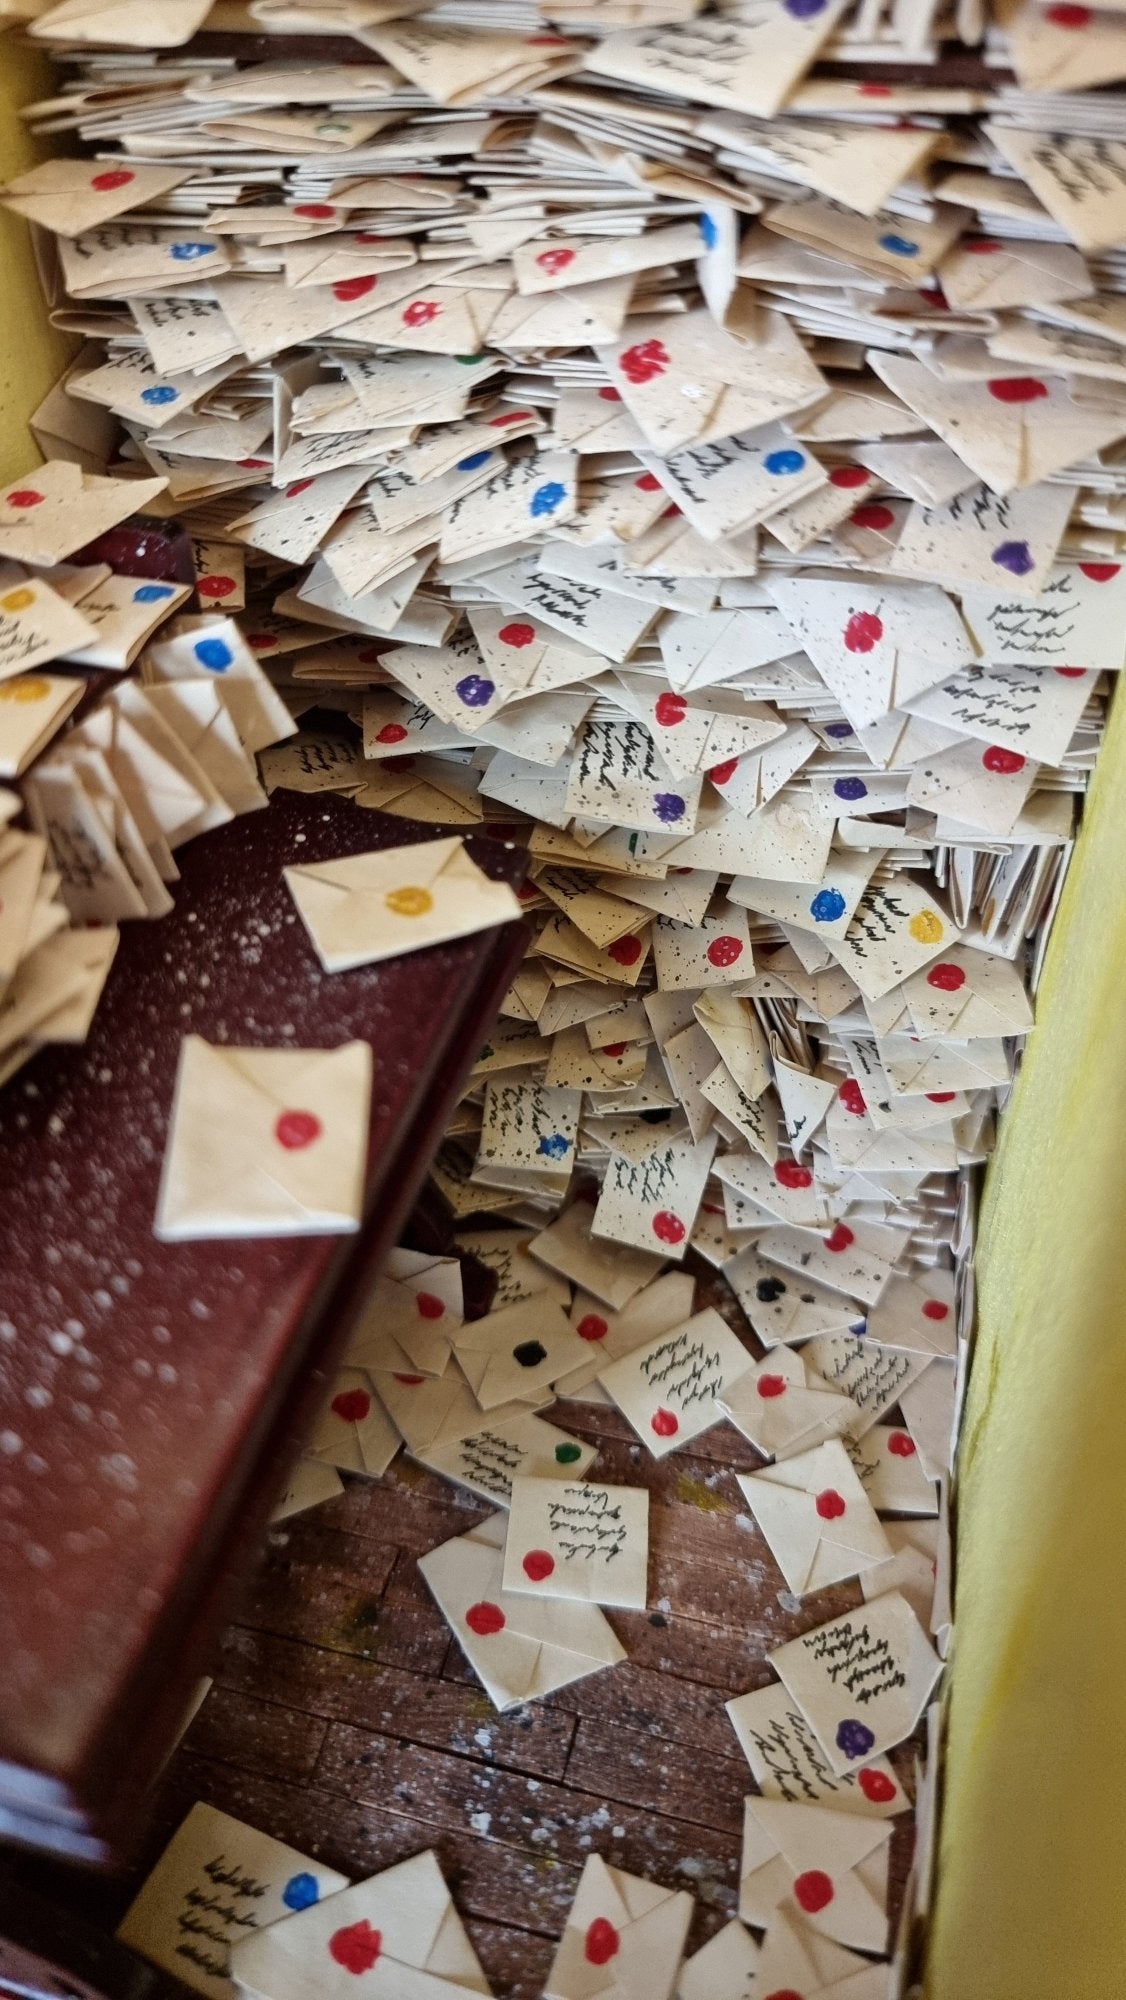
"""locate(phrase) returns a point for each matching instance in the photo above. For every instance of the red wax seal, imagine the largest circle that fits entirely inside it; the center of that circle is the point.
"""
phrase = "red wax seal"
(296, 1129)
(602, 1942)
(668, 1226)
(352, 1405)
(813, 1891)
(485, 1619)
(356, 1947)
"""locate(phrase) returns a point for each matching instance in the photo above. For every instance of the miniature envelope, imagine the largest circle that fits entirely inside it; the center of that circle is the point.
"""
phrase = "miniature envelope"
(783, 1413)
(528, 1134)
(723, 1969)
(789, 1764)
(874, 644)
(728, 486)
(833, 1864)
(797, 1959)
(416, 1306)
(1025, 712)
(368, 907)
(215, 649)
(853, 1257)
(32, 708)
(623, 1940)
(652, 1202)
(916, 1315)
(578, 1541)
(916, 1066)
(670, 1390)
(862, 1680)
(90, 951)
(736, 385)
(896, 930)
(431, 1412)
(70, 196)
(749, 63)
(783, 1307)
(353, 1430)
(613, 1272)
(197, 714)
(987, 276)
(981, 788)
(265, 1142)
(928, 1404)
(1013, 430)
(398, 1931)
(1075, 621)
(56, 509)
(512, 1447)
(984, 538)
(701, 649)
(310, 1484)
(968, 993)
(609, 1336)
(128, 21)
(716, 952)
(216, 1880)
(886, 1461)
(124, 612)
(816, 1518)
(455, 65)
(786, 1189)
(872, 1376)
(521, 1349)
(520, 1647)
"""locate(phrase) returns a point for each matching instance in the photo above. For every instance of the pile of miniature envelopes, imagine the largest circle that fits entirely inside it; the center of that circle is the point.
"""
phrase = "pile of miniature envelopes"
(611, 419)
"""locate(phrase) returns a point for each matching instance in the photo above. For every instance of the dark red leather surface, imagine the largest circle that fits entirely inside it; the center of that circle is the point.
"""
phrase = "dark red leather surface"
(151, 1394)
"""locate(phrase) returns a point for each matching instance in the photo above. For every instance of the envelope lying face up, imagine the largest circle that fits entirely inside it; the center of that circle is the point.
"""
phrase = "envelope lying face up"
(368, 907)
(398, 1932)
(816, 1517)
(265, 1142)
(240, 1877)
(520, 1647)
(834, 1864)
(624, 1938)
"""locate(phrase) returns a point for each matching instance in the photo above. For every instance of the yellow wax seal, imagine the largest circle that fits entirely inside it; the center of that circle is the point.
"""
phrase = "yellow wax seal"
(410, 902)
(926, 928)
(30, 687)
(17, 600)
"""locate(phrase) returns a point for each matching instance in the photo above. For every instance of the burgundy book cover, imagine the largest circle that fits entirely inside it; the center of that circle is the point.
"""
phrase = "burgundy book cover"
(152, 1396)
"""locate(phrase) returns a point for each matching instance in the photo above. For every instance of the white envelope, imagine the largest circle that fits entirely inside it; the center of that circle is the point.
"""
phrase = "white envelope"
(265, 1142)
(353, 1430)
(399, 1932)
(816, 1518)
(517, 1351)
(368, 907)
(521, 1647)
(833, 1864)
(623, 1940)
(780, 1411)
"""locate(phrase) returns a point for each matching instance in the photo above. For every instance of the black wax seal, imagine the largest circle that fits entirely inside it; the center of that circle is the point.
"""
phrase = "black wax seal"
(529, 1354)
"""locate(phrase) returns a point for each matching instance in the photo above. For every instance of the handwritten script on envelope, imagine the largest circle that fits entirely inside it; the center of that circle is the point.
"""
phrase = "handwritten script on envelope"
(581, 1540)
(216, 1881)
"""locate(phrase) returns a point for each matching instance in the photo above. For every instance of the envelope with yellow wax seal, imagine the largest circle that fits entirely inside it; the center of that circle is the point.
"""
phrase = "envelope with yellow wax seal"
(367, 907)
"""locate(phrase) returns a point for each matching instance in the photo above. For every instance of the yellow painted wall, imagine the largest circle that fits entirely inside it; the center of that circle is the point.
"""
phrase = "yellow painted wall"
(32, 355)
(1032, 1895)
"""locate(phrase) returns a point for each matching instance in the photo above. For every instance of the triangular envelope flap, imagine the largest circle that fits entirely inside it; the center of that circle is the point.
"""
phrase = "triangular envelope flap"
(405, 1905)
(451, 1955)
(653, 1943)
(816, 1837)
(381, 870)
(805, 1100)
(601, 1893)
(787, 1519)
(270, 1088)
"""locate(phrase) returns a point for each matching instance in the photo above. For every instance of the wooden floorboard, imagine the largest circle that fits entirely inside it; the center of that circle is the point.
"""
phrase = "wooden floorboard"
(345, 1719)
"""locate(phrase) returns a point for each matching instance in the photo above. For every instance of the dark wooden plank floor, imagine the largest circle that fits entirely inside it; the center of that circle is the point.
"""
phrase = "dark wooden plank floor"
(345, 1720)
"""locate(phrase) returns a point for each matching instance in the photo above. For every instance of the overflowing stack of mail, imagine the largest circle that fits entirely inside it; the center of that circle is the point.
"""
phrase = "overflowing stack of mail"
(667, 433)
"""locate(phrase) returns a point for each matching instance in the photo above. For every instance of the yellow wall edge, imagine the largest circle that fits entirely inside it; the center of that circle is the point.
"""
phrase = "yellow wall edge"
(32, 354)
(1031, 1900)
